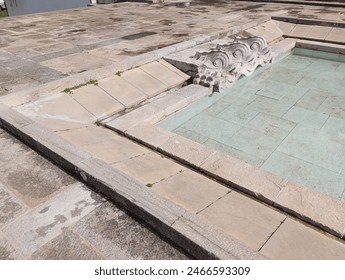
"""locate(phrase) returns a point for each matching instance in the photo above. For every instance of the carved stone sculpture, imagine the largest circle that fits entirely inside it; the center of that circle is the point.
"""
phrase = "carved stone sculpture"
(220, 67)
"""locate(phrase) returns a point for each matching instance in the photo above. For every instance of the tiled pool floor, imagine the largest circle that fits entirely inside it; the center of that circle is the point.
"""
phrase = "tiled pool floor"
(288, 120)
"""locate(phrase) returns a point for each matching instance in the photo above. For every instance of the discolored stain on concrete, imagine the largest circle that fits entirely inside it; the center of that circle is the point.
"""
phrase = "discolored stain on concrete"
(10, 147)
(66, 246)
(45, 209)
(7, 252)
(43, 231)
(33, 178)
(119, 236)
(79, 206)
(9, 206)
(166, 22)
(138, 35)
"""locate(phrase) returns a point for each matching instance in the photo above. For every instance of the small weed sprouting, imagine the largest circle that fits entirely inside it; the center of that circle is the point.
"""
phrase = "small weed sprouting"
(70, 90)
(149, 185)
(119, 73)
(93, 82)
(99, 123)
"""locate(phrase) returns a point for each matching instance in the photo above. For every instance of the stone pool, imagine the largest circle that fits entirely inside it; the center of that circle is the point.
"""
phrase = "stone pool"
(287, 118)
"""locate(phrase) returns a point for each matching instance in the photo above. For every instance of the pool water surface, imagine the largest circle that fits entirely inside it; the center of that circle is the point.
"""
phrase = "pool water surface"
(288, 118)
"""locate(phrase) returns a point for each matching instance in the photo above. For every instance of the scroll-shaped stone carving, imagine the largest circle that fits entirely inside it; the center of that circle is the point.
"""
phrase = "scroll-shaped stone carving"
(220, 67)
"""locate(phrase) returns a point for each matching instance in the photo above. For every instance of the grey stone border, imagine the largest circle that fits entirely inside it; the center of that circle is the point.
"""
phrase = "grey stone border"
(186, 230)
(306, 204)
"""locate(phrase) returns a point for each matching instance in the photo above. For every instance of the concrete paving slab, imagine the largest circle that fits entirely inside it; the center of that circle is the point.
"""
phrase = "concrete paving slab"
(295, 241)
(10, 148)
(205, 124)
(272, 126)
(33, 179)
(116, 149)
(191, 135)
(315, 147)
(269, 106)
(268, 30)
(246, 157)
(317, 208)
(10, 206)
(118, 236)
(285, 27)
(169, 103)
(143, 81)
(149, 168)
(306, 174)
(306, 117)
(336, 35)
(154, 136)
(335, 126)
(75, 63)
(246, 220)
(97, 101)
(320, 46)
(190, 190)
(50, 48)
(87, 135)
(45, 222)
(40, 73)
(186, 150)
(7, 252)
(244, 176)
(122, 90)
(67, 246)
(301, 31)
(312, 99)
(319, 32)
(254, 142)
(174, 69)
(237, 115)
(59, 112)
(210, 243)
(333, 106)
(164, 74)
(18, 84)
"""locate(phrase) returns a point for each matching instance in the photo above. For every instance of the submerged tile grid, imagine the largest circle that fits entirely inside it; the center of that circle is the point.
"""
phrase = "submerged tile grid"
(288, 120)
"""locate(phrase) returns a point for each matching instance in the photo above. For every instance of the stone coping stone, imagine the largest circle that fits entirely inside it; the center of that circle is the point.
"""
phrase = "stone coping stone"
(196, 236)
(308, 205)
(320, 46)
(331, 3)
(308, 21)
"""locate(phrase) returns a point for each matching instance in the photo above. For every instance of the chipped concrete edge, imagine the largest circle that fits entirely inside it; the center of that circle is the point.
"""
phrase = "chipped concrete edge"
(26, 95)
(186, 230)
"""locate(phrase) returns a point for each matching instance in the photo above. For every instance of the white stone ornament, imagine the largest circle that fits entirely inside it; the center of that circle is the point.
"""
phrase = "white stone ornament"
(220, 67)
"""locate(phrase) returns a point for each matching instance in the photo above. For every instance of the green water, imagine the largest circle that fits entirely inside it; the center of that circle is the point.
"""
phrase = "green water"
(287, 118)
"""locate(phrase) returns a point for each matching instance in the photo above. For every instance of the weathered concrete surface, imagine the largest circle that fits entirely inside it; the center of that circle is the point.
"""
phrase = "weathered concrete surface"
(46, 214)
(36, 49)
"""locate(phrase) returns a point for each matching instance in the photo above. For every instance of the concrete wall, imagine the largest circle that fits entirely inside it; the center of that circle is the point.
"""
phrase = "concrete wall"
(22, 7)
